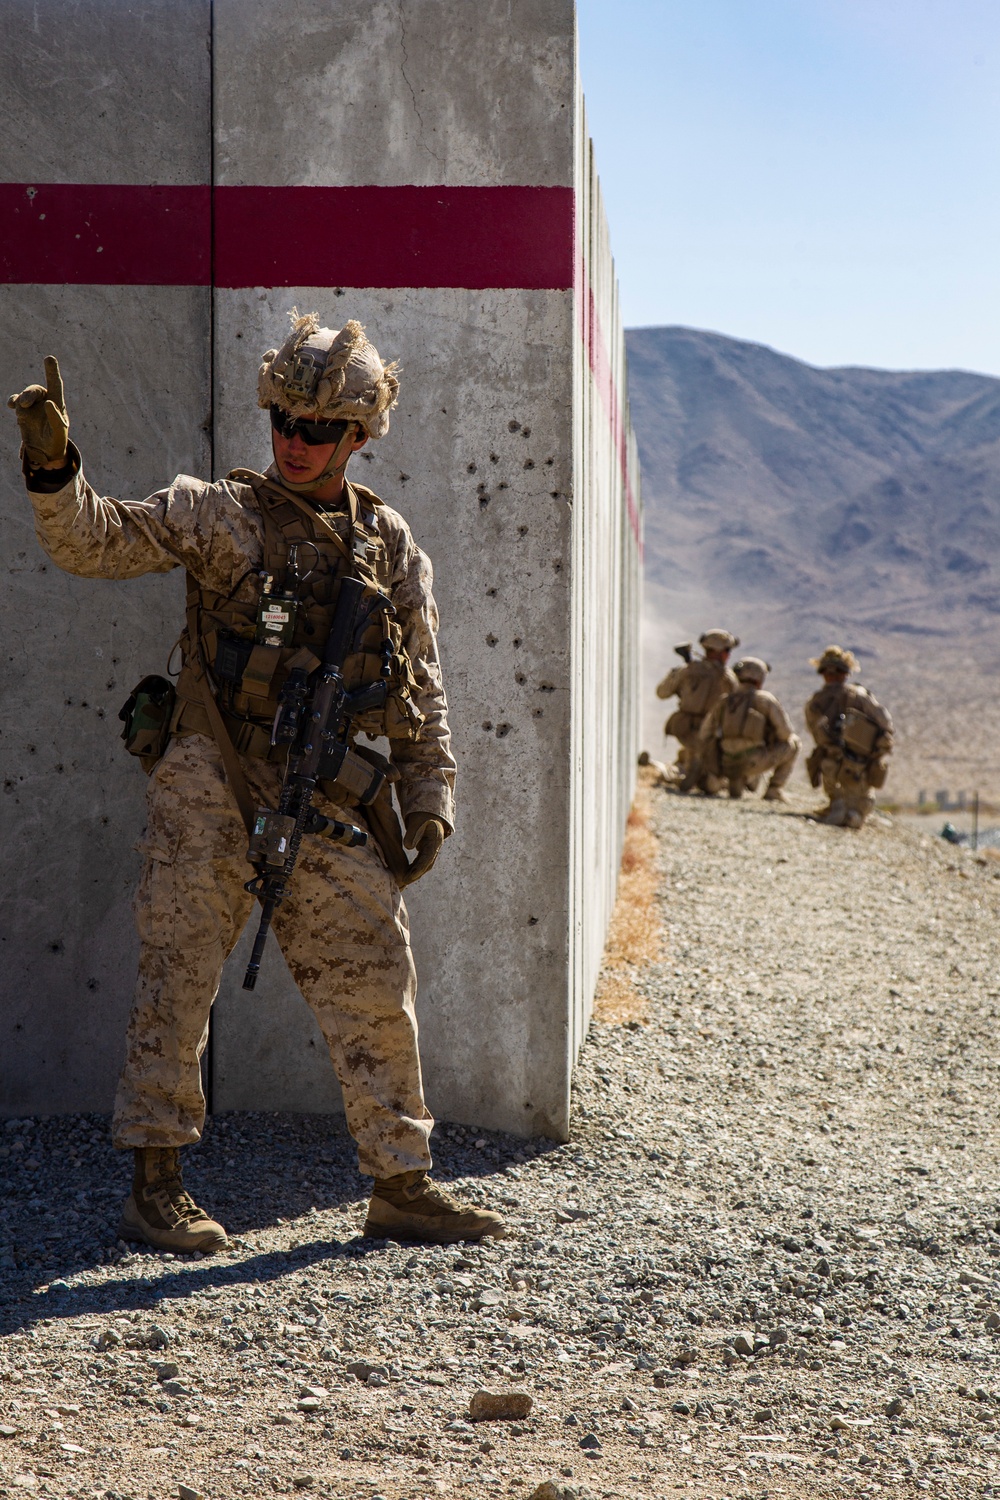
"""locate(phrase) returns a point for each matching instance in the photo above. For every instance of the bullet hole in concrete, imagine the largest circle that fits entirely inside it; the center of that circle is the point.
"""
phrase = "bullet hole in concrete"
(554, 494)
(484, 500)
(529, 1105)
(556, 565)
(67, 702)
(84, 704)
(31, 750)
(487, 724)
(403, 478)
(239, 335)
(56, 947)
(546, 687)
(549, 462)
(492, 593)
(522, 531)
(9, 785)
(536, 713)
(100, 713)
(491, 640)
(503, 485)
(494, 458)
(104, 821)
(367, 457)
(60, 768)
(517, 640)
(532, 921)
(470, 468)
(110, 685)
(526, 432)
(519, 677)
(503, 730)
(115, 660)
(92, 984)
(513, 426)
(42, 568)
(338, 291)
(130, 452)
(529, 463)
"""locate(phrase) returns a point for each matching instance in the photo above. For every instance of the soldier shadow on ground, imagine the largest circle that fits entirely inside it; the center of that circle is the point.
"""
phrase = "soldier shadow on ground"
(247, 1171)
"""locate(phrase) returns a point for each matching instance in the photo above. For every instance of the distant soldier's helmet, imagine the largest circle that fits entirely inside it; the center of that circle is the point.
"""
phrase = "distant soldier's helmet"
(329, 375)
(718, 640)
(751, 669)
(835, 659)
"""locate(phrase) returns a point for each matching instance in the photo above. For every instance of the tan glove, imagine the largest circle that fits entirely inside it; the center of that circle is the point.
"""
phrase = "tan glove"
(426, 835)
(42, 419)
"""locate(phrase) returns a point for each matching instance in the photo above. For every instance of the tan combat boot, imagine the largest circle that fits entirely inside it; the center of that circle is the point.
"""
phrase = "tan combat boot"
(737, 786)
(775, 794)
(412, 1207)
(159, 1210)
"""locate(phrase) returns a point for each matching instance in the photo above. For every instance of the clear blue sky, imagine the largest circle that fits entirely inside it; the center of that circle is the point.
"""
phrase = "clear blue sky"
(819, 175)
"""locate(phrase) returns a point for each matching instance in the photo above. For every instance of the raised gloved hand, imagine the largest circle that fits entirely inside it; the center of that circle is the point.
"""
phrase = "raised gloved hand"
(42, 419)
(426, 835)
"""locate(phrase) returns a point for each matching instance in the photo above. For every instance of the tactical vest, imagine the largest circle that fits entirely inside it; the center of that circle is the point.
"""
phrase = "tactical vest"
(845, 711)
(701, 686)
(859, 732)
(743, 726)
(277, 618)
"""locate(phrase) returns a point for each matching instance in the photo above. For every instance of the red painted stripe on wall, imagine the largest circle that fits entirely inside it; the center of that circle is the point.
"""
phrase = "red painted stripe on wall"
(601, 369)
(465, 237)
(468, 237)
(99, 235)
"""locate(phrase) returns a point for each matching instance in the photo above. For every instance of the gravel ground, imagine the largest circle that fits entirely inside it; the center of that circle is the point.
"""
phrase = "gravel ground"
(767, 1264)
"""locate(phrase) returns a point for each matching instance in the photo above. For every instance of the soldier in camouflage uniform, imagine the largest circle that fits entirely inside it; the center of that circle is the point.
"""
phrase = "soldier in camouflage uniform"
(698, 685)
(853, 735)
(343, 925)
(748, 733)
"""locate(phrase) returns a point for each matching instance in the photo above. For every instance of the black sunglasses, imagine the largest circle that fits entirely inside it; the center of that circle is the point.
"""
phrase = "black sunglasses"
(313, 434)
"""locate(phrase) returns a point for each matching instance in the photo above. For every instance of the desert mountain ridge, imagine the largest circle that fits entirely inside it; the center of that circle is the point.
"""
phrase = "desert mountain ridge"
(799, 505)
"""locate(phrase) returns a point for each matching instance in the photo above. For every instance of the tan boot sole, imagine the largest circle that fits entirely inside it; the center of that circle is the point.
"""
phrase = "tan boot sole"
(203, 1235)
(387, 1223)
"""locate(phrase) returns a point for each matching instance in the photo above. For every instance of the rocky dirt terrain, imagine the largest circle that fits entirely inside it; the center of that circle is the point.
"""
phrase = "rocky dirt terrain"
(767, 1264)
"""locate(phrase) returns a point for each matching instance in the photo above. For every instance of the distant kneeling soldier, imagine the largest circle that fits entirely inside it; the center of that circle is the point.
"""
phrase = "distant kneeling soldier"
(699, 685)
(853, 735)
(749, 733)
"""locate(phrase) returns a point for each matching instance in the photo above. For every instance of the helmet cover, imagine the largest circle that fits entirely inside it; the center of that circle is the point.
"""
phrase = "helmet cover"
(329, 375)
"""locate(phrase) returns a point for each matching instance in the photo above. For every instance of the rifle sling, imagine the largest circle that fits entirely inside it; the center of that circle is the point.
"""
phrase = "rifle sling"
(230, 760)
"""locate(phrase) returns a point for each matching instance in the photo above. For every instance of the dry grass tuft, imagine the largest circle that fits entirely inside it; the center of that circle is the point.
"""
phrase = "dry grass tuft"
(635, 938)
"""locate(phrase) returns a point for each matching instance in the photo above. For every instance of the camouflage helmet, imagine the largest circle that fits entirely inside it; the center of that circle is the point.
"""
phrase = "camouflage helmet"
(718, 640)
(329, 375)
(751, 669)
(835, 659)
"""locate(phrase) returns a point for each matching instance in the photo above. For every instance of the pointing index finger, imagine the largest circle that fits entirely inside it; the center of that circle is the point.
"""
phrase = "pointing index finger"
(53, 381)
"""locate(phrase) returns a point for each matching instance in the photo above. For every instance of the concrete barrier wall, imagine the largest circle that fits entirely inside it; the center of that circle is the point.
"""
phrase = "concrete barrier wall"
(358, 171)
(104, 92)
(607, 575)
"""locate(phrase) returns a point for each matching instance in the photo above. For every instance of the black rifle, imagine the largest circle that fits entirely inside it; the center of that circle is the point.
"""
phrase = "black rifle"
(684, 652)
(313, 719)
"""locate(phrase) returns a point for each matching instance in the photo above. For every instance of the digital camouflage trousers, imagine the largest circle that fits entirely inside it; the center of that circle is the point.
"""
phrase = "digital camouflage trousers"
(342, 929)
